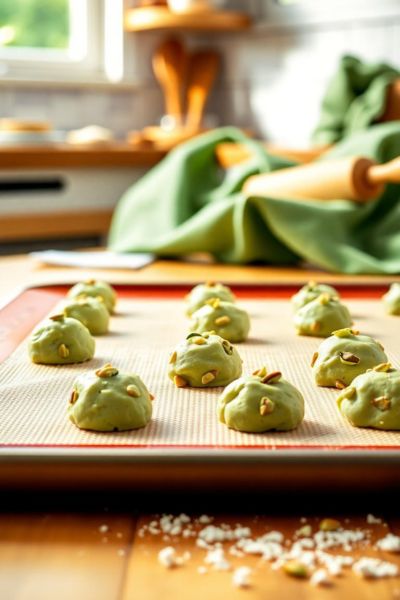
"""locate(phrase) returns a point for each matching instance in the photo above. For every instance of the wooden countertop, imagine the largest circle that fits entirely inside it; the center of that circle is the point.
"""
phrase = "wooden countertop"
(67, 156)
(92, 547)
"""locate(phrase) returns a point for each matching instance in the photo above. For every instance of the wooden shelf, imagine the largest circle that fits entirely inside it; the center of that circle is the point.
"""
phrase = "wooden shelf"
(64, 156)
(159, 18)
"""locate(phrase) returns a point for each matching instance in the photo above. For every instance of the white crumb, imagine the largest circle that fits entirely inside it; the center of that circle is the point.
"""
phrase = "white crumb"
(205, 519)
(217, 559)
(104, 528)
(390, 543)
(167, 557)
(372, 520)
(202, 570)
(320, 578)
(373, 568)
(241, 577)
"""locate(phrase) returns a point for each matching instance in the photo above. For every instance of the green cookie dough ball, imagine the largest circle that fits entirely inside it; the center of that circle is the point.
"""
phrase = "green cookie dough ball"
(203, 292)
(391, 299)
(261, 402)
(92, 312)
(373, 399)
(310, 291)
(93, 287)
(204, 361)
(224, 318)
(61, 340)
(107, 400)
(321, 316)
(343, 356)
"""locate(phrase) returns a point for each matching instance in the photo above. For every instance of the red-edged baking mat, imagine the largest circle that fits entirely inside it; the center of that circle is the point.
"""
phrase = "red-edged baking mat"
(150, 321)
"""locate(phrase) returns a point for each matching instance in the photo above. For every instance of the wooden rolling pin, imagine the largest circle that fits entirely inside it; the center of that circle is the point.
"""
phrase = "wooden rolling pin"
(169, 66)
(357, 178)
(203, 69)
(229, 154)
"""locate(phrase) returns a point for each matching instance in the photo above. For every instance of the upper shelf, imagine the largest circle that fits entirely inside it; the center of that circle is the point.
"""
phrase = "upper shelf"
(161, 18)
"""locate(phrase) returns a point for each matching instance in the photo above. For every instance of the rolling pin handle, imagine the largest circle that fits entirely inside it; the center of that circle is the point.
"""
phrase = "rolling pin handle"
(388, 172)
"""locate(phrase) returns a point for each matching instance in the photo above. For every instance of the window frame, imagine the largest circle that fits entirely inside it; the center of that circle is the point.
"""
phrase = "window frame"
(97, 58)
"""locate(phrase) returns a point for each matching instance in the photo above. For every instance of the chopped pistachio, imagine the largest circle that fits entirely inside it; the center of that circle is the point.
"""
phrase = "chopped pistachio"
(295, 568)
(63, 351)
(271, 378)
(173, 358)
(133, 391)
(339, 384)
(314, 358)
(208, 377)
(315, 327)
(74, 397)
(330, 525)
(200, 341)
(107, 370)
(345, 332)
(266, 406)
(180, 381)
(221, 321)
(382, 403)
(324, 299)
(348, 358)
(58, 317)
(383, 367)
(260, 372)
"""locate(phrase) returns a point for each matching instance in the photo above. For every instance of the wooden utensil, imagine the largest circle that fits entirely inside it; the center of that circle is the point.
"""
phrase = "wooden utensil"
(169, 65)
(230, 153)
(357, 178)
(203, 68)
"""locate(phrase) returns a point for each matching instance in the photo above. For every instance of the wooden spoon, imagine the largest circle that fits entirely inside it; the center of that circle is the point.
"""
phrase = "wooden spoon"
(203, 68)
(169, 65)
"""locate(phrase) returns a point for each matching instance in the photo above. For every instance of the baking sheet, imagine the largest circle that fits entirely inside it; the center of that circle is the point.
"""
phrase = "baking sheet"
(34, 398)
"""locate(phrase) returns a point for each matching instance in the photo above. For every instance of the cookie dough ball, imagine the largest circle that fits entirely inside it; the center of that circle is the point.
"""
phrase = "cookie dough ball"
(310, 292)
(373, 399)
(199, 295)
(391, 299)
(261, 402)
(343, 356)
(61, 340)
(92, 312)
(93, 287)
(321, 316)
(107, 400)
(224, 318)
(204, 361)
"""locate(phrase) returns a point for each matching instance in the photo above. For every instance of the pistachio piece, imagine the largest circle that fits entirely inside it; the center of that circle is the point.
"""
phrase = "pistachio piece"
(221, 321)
(180, 381)
(260, 372)
(173, 358)
(324, 299)
(208, 377)
(193, 334)
(314, 358)
(382, 403)
(266, 406)
(210, 283)
(295, 568)
(342, 333)
(315, 327)
(107, 370)
(271, 378)
(339, 384)
(227, 347)
(383, 367)
(200, 341)
(133, 391)
(63, 351)
(58, 317)
(347, 358)
(74, 397)
(330, 525)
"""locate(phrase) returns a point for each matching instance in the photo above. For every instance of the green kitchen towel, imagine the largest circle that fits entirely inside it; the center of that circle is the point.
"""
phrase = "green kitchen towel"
(187, 203)
(354, 100)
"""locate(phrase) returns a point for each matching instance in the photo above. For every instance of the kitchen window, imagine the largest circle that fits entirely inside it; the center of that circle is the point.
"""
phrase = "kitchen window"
(61, 40)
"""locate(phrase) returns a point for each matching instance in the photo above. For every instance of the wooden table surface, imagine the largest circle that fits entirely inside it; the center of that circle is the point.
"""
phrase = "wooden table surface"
(91, 545)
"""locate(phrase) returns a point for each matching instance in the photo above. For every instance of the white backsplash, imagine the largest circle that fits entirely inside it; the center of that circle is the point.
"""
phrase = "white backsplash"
(272, 77)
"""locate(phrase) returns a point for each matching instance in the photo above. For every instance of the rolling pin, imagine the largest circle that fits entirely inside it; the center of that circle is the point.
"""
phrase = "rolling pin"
(356, 178)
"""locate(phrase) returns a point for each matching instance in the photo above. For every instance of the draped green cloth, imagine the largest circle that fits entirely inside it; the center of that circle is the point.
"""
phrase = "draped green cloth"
(187, 204)
(354, 100)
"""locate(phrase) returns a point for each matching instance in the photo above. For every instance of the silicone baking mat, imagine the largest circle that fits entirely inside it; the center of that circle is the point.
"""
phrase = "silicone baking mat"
(34, 398)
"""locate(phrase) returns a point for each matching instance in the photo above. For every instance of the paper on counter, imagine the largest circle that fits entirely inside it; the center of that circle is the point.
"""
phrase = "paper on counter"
(94, 260)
